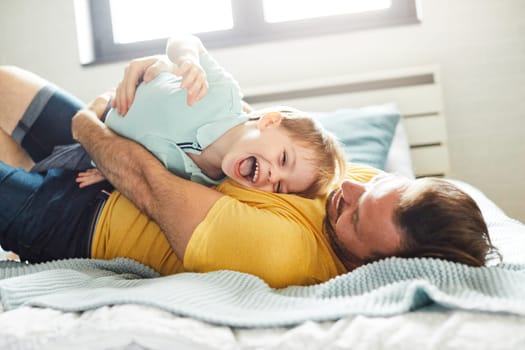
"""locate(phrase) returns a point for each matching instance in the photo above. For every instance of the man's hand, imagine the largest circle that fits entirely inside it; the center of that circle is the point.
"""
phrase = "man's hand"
(100, 105)
(147, 68)
(138, 70)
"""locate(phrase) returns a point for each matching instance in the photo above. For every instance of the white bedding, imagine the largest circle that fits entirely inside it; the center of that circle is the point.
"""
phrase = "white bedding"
(141, 327)
(120, 326)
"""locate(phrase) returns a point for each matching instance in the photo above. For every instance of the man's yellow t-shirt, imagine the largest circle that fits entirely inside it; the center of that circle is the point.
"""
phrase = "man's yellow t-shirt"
(279, 238)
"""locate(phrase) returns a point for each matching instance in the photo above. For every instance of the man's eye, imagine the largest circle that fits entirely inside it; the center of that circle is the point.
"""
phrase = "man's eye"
(355, 219)
(283, 159)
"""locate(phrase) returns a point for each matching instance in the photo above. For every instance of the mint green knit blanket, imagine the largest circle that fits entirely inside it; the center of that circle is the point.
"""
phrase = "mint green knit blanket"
(388, 287)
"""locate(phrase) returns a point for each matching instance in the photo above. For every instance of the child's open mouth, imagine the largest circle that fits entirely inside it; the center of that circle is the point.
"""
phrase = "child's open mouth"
(249, 169)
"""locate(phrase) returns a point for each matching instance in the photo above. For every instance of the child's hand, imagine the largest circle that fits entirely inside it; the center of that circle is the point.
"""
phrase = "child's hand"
(89, 177)
(193, 79)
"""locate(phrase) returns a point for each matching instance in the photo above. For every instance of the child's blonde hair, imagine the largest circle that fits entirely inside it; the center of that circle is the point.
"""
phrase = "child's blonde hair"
(328, 156)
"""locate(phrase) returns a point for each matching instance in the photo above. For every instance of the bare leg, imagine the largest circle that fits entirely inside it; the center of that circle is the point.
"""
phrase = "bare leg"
(18, 87)
(12, 154)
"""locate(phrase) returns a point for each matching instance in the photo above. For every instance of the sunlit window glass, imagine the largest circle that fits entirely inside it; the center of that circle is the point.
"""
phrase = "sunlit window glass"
(289, 10)
(139, 20)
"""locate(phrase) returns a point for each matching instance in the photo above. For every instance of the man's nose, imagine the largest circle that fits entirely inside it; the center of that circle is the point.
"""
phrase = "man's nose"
(352, 190)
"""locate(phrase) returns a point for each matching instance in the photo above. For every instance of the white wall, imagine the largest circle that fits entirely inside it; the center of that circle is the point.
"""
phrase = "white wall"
(479, 45)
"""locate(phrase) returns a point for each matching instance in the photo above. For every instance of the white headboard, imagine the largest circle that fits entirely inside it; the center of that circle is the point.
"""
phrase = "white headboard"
(416, 92)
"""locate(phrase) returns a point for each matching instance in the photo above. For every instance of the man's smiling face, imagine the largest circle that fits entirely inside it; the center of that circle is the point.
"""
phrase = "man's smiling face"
(360, 218)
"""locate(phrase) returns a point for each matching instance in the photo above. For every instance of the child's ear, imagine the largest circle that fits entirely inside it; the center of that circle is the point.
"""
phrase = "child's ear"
(269, 119)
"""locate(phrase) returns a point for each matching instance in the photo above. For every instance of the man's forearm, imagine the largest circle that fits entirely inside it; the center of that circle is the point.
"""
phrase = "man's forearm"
(177, 205)
(113, 157)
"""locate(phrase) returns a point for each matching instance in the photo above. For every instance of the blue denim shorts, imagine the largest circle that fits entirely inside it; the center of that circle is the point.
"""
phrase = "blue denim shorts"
(46, 122)
(46, 216)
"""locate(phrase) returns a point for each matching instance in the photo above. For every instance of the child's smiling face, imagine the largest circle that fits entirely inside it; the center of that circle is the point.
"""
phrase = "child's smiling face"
(268, 159)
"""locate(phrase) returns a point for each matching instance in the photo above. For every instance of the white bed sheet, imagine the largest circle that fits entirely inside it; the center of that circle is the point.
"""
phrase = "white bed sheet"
(137, 327)
(142, 327)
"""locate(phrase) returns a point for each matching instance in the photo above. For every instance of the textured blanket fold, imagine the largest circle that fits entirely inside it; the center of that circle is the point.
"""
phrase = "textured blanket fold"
(388, 287)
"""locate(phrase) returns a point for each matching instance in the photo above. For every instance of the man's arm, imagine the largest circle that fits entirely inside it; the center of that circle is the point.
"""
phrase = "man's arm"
(175, 204)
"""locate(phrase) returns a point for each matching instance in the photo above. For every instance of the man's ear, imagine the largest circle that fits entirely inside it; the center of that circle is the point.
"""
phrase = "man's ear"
(269, 119)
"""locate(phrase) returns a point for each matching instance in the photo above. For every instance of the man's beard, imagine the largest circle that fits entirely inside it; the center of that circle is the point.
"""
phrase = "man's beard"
(349, 260)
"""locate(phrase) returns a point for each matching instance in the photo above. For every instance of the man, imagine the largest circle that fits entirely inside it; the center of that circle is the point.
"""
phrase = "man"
(279, 238)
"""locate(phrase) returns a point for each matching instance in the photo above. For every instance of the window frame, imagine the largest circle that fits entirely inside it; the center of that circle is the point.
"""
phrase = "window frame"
(249, 28)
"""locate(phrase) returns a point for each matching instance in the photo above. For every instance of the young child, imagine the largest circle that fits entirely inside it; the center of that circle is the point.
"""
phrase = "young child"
(193, 121)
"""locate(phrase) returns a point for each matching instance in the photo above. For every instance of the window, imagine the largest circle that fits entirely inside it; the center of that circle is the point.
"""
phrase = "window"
(126, 16)
(123, 29)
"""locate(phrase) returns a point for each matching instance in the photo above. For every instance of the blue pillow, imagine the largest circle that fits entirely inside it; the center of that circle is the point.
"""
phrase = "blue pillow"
(366, 133)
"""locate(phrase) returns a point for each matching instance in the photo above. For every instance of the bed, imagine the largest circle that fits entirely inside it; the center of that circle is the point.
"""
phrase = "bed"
(392, 120)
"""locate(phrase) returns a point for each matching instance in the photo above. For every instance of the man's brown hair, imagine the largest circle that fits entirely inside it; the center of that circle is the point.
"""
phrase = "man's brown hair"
(439, 220)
